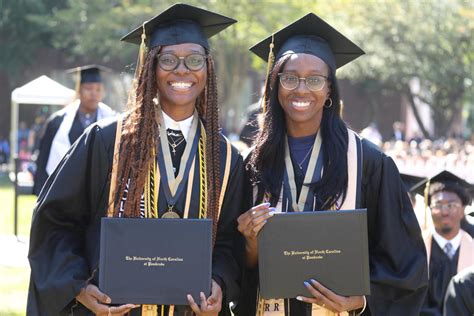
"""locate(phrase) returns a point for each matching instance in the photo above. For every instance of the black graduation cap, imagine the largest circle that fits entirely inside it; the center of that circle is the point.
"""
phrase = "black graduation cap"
(446, 181)
(310, 35)
(180, 23)
(410, 182)
(88, 73)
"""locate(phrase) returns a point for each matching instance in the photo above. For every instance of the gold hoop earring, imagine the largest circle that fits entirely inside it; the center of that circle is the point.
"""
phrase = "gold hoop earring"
(330, 103)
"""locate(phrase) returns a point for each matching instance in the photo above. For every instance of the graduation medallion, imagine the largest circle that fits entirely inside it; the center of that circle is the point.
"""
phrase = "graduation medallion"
(170, 213)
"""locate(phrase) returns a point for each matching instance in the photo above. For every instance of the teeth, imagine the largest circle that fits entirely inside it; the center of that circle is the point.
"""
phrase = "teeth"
(300, 104)
(181, 84)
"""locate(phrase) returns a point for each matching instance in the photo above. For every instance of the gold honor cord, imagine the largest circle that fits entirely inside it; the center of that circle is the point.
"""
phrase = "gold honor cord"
(298, 204)
(202, 174)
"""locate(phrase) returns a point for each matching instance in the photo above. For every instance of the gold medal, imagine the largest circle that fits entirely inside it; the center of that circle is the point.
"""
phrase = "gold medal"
(170, 214)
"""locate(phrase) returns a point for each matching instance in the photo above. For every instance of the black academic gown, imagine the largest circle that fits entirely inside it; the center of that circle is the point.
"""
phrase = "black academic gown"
(51, 128)
(397, 255)
(459, 299)
(441, 270)
(65, 231)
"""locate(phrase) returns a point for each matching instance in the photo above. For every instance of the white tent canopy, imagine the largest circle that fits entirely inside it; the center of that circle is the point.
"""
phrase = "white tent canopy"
(42, 90)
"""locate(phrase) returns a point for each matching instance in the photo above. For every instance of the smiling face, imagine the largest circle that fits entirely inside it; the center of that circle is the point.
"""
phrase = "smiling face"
(178, 89)
(303, 107)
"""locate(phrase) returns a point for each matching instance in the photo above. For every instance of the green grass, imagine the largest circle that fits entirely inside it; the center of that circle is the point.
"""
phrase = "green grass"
(25, 209)
(14, 280)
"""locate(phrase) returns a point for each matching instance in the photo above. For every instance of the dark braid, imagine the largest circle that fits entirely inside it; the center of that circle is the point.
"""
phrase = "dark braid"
(211, 119)
(138, 138)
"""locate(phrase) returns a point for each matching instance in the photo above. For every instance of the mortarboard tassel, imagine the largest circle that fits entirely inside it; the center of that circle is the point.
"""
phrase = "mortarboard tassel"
(78, 82)
(271, 60)
(141, 53)
(426, 193)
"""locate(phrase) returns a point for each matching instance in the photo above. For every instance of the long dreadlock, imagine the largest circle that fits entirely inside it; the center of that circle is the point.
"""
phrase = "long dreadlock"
(139, 138)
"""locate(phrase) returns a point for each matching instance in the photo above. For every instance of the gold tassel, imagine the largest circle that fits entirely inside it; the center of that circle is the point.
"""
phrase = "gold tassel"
(141, 53)
(78, 83)
(271, 60)
(426, 193)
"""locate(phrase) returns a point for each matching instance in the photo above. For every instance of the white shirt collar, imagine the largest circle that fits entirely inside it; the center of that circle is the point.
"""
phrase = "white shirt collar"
(184, 126)
(441, 241)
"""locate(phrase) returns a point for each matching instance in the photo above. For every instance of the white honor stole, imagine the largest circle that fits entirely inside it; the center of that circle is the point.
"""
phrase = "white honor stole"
(276, 307)
(61, 143)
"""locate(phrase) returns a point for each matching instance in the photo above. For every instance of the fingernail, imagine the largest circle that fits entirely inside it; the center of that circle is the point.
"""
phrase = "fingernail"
(299, 298)
(273, 209)
(306, 283)
(266, 204)
(108, 300)
(271, 213)
(314, 281)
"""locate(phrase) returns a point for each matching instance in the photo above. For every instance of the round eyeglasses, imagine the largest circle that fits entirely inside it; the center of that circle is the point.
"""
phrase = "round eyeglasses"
(291, 82)
(170, 62)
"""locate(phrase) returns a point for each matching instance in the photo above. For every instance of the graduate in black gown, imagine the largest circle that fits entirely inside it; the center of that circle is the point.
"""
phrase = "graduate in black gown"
(450, 249)
(65, 126)
(459, 299)
(304, 137)
(172, 126)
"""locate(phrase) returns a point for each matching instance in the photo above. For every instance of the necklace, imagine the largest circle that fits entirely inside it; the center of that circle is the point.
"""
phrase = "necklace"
(304, 159)
(174, 144)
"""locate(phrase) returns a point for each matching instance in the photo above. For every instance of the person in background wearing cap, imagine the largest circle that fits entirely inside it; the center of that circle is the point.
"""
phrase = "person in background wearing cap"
(66, 125)
(305, 140)
(450, 249)
(172, 126)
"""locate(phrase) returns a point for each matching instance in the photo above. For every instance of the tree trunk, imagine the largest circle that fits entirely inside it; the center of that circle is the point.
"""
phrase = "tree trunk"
(411, 100)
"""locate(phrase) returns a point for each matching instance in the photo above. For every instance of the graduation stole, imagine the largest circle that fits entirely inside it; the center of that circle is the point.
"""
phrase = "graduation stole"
(288, 201)
(152, 186)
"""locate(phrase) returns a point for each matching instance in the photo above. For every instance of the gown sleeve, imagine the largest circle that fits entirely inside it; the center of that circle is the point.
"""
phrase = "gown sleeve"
(65, 207)
(225, 269)
(459, 298)
(397, 255)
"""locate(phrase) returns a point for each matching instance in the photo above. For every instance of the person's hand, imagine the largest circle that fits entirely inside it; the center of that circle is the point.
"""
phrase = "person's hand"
(330, 300)
(96, 301)
(210, 306)
(251, 222)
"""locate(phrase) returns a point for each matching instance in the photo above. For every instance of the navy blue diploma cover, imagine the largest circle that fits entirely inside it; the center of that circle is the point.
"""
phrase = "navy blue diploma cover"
(155, 261)
(328, 246)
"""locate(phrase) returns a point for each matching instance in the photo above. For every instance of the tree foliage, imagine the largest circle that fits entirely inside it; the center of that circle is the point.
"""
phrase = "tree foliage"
(428, 40)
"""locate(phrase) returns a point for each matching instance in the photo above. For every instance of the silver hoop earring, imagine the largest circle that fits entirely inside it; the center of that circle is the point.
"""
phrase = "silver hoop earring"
(330, 103)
